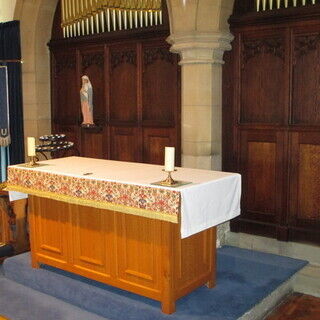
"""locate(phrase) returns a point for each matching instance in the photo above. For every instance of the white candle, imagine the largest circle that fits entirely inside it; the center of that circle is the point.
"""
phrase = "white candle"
(169, 159)
(31, 141)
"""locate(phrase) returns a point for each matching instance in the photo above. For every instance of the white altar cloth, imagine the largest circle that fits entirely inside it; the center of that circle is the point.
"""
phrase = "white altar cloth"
(212, 198)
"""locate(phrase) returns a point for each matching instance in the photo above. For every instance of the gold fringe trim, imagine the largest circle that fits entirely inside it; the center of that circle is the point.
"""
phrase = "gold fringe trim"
(3, 185)
(96, 204)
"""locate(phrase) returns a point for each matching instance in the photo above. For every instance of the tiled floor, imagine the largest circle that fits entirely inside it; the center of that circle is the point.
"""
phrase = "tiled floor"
(297, 307)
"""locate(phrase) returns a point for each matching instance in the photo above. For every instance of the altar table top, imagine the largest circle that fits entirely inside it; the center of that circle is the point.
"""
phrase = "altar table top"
(212, 197)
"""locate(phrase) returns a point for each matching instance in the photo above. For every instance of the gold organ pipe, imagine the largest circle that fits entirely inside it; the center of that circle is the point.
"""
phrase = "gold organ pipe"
(82, 17)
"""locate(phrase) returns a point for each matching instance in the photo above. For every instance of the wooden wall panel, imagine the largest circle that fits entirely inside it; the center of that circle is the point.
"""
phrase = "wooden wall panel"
(155, 140)
(271, 122)
(263, 174)
(306, 77)
(93, 144)
(159, 97)
(305, 184)
(123, 84)
(65, 91)
(125, 144)
(136, 87)
(263, 78)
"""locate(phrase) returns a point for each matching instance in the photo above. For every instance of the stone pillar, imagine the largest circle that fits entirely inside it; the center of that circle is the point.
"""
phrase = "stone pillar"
(200, 34)
(201, 63)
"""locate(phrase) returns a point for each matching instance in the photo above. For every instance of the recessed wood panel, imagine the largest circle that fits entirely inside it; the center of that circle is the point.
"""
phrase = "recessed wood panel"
(92, 245)
(159, 97)
(261, 166)
(263, 79)
(304, 180)
(92, 65)
(138, 250)
(123, 83)
(93, 144)
(263, 174)
(125, 144)
(306, 79)
(309, 181)
(65, 89)
(155, 140)
(52, 228)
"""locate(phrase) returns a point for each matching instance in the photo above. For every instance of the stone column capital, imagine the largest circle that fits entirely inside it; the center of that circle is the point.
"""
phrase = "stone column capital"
(200, 47)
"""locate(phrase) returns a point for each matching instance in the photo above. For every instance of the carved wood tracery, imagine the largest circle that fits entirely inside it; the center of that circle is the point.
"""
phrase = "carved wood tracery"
(92, 59)
(304, 44)
(252, 48)
(153, 54)
(120, 57)
(64, 62)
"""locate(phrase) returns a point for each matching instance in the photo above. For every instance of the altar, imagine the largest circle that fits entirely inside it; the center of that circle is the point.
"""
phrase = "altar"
(105, 220)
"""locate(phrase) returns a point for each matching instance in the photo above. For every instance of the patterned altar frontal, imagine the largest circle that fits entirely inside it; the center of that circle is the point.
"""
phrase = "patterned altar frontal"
(210, 199)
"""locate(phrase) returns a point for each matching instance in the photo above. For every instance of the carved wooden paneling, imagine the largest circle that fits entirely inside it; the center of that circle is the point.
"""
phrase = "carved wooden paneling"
(135, 86)
(92, 65)
(140, 241)
(306, 79)
(159, 98)
(65, 89)
(271, 84)
(263, 79)
(125, 144)
(263, 175)
(155, 140)
(123, 84)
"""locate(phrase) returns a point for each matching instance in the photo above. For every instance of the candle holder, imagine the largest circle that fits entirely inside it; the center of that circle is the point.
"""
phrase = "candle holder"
(168, 182)
(33, 162)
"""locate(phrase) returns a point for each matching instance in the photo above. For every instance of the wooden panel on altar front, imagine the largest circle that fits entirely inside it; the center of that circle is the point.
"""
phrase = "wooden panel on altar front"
(51, 223)
(92, 240)
(141, 255)
(138, 251)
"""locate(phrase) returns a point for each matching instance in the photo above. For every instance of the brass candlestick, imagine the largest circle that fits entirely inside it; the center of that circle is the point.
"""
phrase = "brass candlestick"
(168, 181)
(33, 162)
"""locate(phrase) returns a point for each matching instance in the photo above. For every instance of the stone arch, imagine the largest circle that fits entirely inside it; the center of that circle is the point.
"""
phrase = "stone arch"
(36, 17)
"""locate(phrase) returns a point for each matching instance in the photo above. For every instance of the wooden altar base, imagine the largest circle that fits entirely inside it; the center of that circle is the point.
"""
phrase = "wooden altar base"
(138, 254)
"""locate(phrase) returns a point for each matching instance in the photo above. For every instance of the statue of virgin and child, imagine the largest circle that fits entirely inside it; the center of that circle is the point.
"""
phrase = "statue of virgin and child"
(86, 98)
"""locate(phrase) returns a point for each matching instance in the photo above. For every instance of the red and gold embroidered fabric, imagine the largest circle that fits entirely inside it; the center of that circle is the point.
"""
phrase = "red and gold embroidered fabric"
(147, 201)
